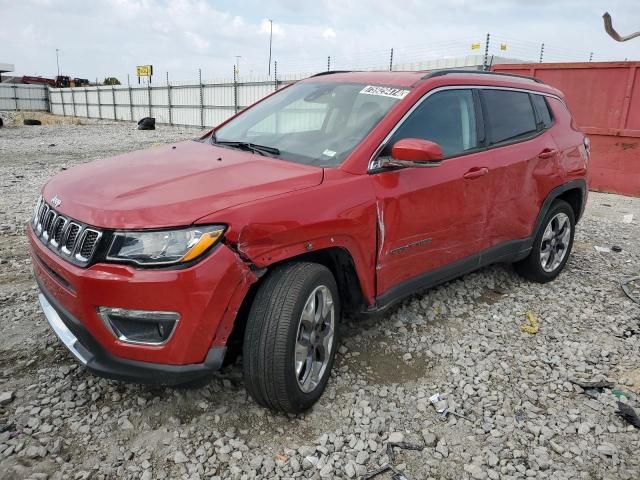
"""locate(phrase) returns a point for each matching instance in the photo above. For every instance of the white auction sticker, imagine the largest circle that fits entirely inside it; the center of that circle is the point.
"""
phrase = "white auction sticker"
(384, 91)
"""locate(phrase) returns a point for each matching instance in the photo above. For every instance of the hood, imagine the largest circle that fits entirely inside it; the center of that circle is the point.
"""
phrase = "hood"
(172, 185)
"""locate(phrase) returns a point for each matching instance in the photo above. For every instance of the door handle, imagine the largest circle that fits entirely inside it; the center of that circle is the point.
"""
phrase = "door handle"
(547, 153)
(476, 172)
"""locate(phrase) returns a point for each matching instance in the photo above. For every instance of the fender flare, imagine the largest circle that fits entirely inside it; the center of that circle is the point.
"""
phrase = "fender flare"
(580, 184)
(267, 258)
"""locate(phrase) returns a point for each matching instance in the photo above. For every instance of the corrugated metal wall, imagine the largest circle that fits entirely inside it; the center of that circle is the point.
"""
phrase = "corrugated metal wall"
(177, 103)
(604, 98)
(23, 97)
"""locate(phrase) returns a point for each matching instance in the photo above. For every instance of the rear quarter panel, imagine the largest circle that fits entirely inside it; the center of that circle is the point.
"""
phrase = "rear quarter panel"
(572, 157)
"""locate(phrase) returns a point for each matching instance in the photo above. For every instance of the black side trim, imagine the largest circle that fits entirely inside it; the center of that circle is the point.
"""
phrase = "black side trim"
(507, 252)
(104, 364)
(439, 73)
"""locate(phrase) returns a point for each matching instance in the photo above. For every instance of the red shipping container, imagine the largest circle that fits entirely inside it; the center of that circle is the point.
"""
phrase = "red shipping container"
(604, 98)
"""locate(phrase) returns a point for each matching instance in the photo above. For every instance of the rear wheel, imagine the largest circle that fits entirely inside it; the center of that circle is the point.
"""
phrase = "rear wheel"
(291, 337)
(552, 245)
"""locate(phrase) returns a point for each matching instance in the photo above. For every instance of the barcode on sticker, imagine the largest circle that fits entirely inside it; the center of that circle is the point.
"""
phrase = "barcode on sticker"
(384, 91)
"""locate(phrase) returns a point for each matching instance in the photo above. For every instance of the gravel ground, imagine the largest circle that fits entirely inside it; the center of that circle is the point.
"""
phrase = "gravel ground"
(525, 416)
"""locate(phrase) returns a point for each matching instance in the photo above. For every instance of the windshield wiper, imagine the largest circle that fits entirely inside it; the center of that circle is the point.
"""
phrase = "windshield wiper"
(253, 147)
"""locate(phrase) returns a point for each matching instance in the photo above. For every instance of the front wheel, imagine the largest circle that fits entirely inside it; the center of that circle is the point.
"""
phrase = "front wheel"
(291, 337)
(552, 245)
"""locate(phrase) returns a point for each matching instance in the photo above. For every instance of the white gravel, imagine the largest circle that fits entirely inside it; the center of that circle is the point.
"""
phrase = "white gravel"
(525, 417)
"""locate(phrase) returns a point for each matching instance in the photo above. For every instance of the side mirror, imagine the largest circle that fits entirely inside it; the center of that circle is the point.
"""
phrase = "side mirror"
(413, 152)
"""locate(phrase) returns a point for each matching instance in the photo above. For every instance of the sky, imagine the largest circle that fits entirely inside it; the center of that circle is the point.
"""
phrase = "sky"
(101, 38)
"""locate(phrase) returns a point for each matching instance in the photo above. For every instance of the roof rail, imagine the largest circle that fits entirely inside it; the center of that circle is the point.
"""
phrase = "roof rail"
(439, 73)
(329, 72)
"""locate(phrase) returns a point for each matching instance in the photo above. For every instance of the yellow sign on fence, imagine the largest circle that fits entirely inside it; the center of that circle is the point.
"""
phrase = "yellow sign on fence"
(144, 70)
(475, 46)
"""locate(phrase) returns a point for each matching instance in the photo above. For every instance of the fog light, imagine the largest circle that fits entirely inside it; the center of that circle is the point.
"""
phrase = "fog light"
(147, 327)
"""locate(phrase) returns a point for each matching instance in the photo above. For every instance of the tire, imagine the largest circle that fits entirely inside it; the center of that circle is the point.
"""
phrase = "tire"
(31, 121)
(147, 123)
(539, 267)
(274, 328)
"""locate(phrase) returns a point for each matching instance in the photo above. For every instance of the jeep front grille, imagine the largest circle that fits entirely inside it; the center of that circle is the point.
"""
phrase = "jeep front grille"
(67, 237)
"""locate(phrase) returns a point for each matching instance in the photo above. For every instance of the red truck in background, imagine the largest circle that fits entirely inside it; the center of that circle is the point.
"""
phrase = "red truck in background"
(60, 81)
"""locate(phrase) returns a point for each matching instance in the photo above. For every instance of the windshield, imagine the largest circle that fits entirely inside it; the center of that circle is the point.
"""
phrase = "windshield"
(311, 123)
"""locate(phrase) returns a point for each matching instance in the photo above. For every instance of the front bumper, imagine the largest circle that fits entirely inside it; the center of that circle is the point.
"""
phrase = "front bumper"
(207, 295)
(100, 362)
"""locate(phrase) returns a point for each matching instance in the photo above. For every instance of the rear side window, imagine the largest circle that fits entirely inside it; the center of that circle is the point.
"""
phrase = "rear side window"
(509, 115)
(542, 109)
(447, 118)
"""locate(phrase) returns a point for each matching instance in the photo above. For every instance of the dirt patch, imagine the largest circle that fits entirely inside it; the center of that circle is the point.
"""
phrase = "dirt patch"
(633, 377)
(17, 118)
(492, 295)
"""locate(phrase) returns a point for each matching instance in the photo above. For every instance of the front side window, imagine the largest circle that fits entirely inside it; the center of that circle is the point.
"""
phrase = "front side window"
(314, 123)
(509, 115)
(446, 118)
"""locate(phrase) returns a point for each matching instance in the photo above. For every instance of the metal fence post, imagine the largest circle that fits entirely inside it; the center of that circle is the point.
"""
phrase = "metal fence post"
(149, 94)
(99, 102)
(485, 63)
(591, 57)
(235, 89)
(541, 53)
(86, 102)
(391, 61)
(113, 98)
(15, 95)
(201, 98)
(73, 101)
(130, 99)
(328, 63)
(169, 98)
(64, 110)
(275, 74)
(47, 99)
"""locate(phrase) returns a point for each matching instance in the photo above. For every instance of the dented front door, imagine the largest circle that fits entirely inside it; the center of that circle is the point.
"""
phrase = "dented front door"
(430, 217)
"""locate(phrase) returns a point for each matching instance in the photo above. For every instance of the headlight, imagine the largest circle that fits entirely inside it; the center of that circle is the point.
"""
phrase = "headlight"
(164, 247)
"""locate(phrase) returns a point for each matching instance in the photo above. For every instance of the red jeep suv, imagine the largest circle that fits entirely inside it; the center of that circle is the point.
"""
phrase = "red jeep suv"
(342, 193)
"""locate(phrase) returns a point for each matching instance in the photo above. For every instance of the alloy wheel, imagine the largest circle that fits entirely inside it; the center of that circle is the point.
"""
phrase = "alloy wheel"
(314, 341)
(555, 242)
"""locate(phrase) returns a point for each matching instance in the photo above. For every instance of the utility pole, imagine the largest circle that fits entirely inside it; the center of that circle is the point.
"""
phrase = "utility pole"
(270, 42)
(58, 61)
